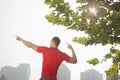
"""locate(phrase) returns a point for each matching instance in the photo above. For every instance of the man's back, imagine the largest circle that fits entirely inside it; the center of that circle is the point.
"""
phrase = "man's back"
(52, 58)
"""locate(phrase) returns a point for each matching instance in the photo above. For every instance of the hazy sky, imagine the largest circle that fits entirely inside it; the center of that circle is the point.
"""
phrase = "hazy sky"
(26, 19)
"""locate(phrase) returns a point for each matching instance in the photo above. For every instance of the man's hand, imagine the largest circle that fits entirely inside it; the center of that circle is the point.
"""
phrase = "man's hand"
(69, 46)
(18, 38)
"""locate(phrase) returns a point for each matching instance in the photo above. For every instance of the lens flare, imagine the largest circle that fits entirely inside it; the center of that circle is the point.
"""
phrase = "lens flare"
(93, 11)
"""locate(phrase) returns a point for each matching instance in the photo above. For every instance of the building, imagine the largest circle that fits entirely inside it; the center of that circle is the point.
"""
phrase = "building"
(112, 78)
(22, 72)
(64, 73)
(91, 75)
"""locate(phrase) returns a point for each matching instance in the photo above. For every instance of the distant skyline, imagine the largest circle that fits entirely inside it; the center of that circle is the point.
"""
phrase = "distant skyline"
(22, 72)
(26, 18)
(91, 74)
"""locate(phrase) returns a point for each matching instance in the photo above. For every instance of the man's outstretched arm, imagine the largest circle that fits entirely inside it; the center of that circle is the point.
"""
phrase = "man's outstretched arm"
(27, 43)
(73, 58)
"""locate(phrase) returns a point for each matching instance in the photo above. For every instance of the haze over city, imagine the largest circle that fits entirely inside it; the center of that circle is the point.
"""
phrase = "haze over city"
(26, 18)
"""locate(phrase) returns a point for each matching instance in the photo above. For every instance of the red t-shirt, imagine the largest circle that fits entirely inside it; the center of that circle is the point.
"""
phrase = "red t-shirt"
(52, 58)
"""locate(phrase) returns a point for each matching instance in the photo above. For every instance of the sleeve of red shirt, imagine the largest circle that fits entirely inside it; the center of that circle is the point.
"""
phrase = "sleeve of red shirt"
(66, 57)
(41, 49)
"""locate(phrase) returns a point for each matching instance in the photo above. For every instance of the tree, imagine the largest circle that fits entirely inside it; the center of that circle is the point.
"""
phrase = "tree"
(99, 19)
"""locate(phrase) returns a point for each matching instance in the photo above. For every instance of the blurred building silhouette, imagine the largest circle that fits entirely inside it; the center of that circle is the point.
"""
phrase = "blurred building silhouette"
(113, 78)
(91, 75)
(22, 72)
(3, 77)
(64, 73)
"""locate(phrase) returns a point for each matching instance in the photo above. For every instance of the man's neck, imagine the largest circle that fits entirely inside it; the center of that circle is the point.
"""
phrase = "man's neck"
(53, 47)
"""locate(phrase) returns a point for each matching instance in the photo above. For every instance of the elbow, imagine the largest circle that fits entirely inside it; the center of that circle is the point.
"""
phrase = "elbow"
(75, 62)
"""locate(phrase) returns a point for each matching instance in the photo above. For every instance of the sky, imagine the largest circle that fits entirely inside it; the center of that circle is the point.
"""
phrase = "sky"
(26, 18)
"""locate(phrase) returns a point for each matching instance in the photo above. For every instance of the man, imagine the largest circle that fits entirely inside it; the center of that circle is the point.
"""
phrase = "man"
(52, 57)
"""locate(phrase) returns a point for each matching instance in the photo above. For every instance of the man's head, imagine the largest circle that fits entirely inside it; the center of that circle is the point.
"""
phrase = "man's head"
(55, 42)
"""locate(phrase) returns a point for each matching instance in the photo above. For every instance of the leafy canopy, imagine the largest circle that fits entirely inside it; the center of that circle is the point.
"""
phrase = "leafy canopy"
(102, 26)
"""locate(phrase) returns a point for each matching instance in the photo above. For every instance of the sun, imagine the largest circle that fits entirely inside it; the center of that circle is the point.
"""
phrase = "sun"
(93, 11)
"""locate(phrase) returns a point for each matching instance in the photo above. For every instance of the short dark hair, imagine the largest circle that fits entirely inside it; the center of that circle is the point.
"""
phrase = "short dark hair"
(56, 40)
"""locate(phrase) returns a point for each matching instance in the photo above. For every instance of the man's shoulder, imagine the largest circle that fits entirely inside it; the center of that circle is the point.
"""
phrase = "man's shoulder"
(61, 52)
(41, 49)
(42, 46)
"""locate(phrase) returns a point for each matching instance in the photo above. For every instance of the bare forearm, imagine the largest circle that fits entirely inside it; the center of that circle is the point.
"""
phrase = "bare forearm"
(74, 58)
(27, 43)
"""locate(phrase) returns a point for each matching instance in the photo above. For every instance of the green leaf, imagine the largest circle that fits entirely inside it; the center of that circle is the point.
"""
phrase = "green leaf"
(94, 61)
(82, 40)
(113, 70)
(48, 2)
(79, 1)
(117, 53)
(107, 56)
